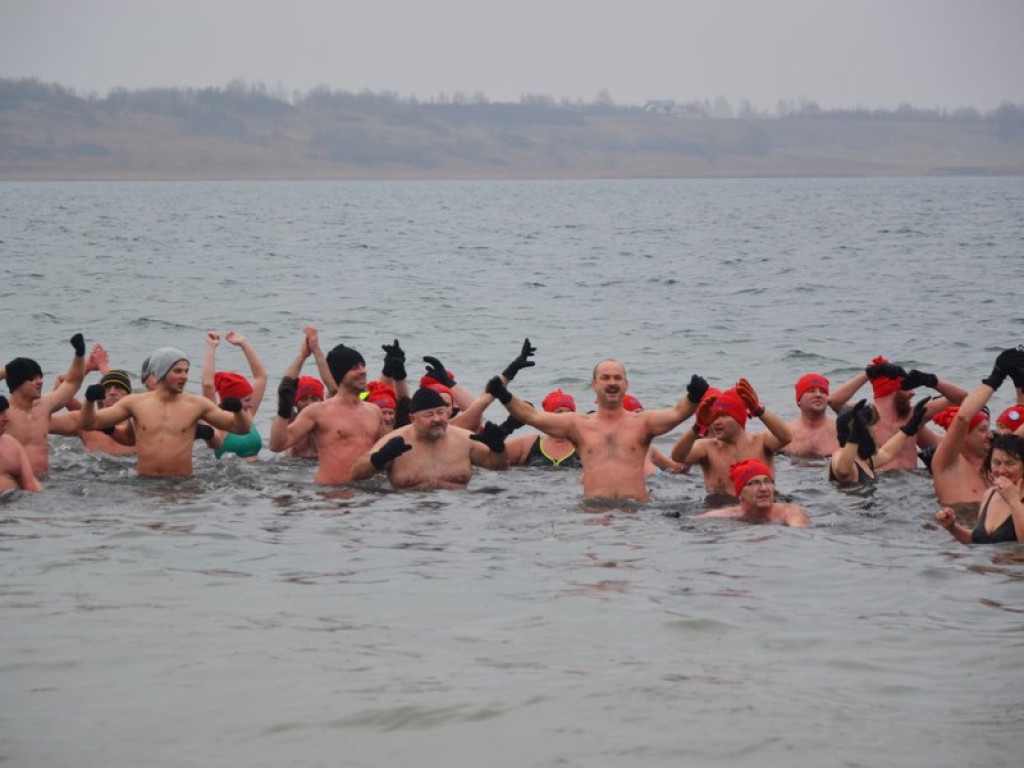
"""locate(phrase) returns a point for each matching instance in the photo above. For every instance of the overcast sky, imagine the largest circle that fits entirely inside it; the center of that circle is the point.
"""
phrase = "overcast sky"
(840, 53)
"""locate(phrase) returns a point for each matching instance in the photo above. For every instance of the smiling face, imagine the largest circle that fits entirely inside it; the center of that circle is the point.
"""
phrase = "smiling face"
(1006, 465)
(609, 383)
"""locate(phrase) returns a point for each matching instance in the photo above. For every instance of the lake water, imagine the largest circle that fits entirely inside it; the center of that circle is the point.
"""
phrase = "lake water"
(247, 617)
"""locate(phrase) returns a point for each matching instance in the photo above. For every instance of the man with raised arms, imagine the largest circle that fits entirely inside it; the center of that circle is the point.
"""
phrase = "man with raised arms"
(343, 426)
(893, 389)
(15, 470)
(754, 486)
(612, 442)
(31, 410)
(429, 452)
(813, 431)
(728, 441)
(165, 419)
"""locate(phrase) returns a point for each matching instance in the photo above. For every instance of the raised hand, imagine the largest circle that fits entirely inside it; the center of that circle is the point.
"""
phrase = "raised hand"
(884, 370)
(437, 371)
(749, 397)
(394, 361)
(696, 388)
(496, 388)
(916, 378)
(388, 452)
(916, 418)
(235, 338)
(492, 436)
(212, 338)
(522, 361)
(286, 392)
(94, 393)
(98, 359)
(78, 342)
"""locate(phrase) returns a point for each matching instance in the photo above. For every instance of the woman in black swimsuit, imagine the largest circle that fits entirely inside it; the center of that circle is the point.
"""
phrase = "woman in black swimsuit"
(1002, 508)
(854, 464)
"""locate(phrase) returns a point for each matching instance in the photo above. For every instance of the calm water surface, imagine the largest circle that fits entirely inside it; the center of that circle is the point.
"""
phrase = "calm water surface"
(247, 617)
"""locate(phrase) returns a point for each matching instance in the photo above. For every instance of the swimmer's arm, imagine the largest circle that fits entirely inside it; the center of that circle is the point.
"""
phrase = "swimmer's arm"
(93, 418)
(210, 366)
(843, 463)
(62, 395)
(891, 448)
(518, 448)
(946, 518)
(65, 424)
(362, 467)
(472, 417)
(665, 419)
(482, 456)
(681, 450)
(949, 447)
(665, 464)
(562, 425)
(26, 477)
(778, 433)
(285, 434)
(842, 394)
(218, 418)
(796, 517)
(697, 453)
(256, 368)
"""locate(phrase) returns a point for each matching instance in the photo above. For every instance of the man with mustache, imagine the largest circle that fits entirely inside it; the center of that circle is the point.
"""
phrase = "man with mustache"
(612, 442)
(893, 390)
(430, 453)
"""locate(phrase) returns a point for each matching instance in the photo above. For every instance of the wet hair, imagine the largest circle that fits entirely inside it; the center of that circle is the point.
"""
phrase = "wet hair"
(1012, 445)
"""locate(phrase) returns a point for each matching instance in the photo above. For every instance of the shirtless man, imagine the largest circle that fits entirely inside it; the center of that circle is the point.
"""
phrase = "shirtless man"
(428, 452)
(754, 486)
(612, 442)
(116, 386)
(165, 419)
(813, 431)
(893, 390)
(15, 469)
(729, 442)
(343, 426)
(31, 410)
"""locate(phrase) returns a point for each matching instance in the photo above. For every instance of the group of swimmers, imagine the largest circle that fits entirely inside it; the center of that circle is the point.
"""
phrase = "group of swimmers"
(433, 436)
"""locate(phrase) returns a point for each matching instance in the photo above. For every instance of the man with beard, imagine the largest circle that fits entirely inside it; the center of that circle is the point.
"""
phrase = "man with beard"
(612, 442)
(343, 426)
(429, 453)
(164, 420)
(893, 390)
(728, 441)
(813, 432)
(754, 486)
(31, 410)
(15, 469)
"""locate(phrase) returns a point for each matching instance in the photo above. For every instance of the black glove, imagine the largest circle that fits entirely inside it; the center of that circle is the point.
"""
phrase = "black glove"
(510, 425)
(926, 457)
(888, 370)
(388, 452)
(231, 404)
(916, 418)
(1009, 363)
(916, 378)
(94, 393)
(436, 371)
(492, 436)
(204, 432)
(286, 391)
(696, 388)
(4, 405)
(523, 361)
(862, 418)
(496, 388)
(843, 423)
(78, 342)
(394, 361)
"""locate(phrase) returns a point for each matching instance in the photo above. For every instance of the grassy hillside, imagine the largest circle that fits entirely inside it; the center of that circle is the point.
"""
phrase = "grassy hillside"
(47, 132)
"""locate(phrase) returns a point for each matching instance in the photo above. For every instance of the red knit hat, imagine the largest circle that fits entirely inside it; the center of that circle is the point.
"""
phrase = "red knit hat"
(810, 381)
(883, 385)
(742, 472)
(382, 395)
(944, 418)
(558, 399)
(309, 386)
(231, 384)
(437, 386)
(730, 403)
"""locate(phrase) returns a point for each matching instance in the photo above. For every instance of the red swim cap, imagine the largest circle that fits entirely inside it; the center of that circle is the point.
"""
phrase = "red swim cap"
(558, 399)
(810, 381)
(231, 384)
(309, 386)
(730, 404)
(742, 472)
(630, 403)
(883, 385)
(1012, 417)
